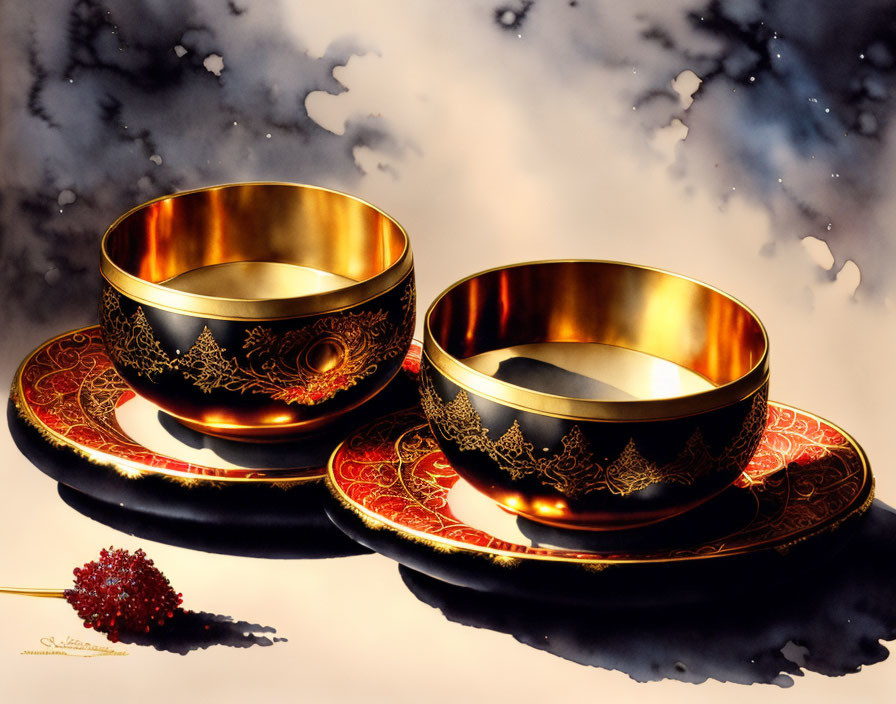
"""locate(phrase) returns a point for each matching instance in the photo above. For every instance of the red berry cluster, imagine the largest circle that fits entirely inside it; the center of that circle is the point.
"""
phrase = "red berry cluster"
(122, 593)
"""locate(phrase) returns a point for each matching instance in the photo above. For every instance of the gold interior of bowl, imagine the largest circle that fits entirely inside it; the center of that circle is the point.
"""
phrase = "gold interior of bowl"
(308, 250)
(649, 311)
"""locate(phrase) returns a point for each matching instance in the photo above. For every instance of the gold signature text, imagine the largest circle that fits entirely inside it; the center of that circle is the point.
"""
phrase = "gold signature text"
(73, 648)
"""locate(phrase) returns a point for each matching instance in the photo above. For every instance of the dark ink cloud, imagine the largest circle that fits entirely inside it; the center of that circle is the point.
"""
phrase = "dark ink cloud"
(794, 111)
(108, 103)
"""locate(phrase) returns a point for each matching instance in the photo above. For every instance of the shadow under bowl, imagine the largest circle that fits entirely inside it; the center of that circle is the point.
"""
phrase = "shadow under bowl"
(259, 310)
(655, 401)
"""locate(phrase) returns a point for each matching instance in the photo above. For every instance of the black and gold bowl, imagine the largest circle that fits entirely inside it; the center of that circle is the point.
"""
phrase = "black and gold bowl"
(257, 310)
(594, 394)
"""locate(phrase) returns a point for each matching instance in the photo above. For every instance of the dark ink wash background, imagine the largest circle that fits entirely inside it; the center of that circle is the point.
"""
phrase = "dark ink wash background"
(748, 144)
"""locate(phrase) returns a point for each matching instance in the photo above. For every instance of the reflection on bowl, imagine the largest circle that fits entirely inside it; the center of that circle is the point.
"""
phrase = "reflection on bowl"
(590, 394)
(257, 310)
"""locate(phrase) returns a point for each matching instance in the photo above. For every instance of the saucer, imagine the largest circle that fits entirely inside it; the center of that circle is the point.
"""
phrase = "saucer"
(395, 492)
(254, 519)
(68, 391)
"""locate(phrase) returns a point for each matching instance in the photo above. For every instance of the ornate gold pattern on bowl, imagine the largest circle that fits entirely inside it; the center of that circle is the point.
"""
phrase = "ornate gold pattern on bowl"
(574, 471)
(277, 365)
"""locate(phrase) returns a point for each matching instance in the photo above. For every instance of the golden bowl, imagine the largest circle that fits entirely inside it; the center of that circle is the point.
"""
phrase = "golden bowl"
(257, 310)
(594, 394)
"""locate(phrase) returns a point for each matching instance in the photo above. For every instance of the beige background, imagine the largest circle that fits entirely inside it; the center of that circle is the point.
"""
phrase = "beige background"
(496, 160)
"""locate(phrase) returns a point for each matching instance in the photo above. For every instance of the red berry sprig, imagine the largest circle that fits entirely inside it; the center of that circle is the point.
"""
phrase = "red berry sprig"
(122, 592)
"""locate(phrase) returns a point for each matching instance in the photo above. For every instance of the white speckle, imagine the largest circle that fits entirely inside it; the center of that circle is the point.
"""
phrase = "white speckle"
(235, 123)
(65, 197)
(156, 159)
(268, 135)
(180, 51)
(176, 351)
(125, 126)
(827, 109)
(634, 108)
(519, 36)
(778, 56)
(780, 180)
(70, 80)
(733, 188)
(214, 63)
(545, 449)
(829, 227)
(752, 79)
(862, 56)
(813, 100)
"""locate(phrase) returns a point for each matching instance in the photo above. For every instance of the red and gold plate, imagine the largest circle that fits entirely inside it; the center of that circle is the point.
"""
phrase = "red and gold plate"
(393, 485)
(69, 392)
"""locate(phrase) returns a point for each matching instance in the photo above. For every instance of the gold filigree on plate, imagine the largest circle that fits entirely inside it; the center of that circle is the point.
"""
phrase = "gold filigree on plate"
(305, 366)
(68, 391)
(814, 478)
(573, 471)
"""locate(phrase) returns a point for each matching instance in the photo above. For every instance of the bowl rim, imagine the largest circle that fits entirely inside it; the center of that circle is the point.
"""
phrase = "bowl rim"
(223, 308)
(585, 409)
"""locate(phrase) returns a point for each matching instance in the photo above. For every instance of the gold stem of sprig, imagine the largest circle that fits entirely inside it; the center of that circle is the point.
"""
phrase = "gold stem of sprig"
(49, 593)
